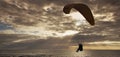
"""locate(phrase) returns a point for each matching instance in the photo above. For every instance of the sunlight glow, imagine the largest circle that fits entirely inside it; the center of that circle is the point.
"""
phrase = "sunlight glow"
(79, 19)
(43, 32)
(48, 7)
(105, 17)
(105, 42)
(69, 32)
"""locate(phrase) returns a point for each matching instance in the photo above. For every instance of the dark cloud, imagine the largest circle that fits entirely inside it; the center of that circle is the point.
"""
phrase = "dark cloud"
(31, 42)
(44, 2)
(87, 38)
(27, 22)
(93, 38)
(8, 43)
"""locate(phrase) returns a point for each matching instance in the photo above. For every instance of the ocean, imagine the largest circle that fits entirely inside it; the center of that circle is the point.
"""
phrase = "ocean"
(58, 53)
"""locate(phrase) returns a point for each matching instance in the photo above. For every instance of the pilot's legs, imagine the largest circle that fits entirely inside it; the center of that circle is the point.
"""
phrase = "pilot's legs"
(80, 48)
(77, 50)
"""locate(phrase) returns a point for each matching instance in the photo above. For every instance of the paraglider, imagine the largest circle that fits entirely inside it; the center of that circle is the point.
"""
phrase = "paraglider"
(85, 11)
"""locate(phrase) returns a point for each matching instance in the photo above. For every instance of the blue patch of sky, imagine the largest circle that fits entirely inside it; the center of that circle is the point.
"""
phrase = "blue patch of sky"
(4, 26)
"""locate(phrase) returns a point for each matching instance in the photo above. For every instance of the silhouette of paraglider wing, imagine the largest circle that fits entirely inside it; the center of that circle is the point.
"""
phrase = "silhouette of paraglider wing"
(83, 9)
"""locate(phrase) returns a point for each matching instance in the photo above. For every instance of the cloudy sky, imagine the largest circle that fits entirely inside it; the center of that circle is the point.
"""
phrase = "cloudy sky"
(37, 24)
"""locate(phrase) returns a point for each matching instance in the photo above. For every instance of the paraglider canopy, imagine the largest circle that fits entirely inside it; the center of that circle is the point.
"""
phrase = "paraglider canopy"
(83, 9)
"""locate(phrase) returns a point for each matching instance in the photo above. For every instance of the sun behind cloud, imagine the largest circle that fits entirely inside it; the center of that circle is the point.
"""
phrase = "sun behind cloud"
(78, 17)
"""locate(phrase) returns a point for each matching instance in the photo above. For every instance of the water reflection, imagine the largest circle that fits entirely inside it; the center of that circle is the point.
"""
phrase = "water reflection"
(68, 53)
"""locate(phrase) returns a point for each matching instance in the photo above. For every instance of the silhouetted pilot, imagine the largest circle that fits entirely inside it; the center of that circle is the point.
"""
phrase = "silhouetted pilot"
(80, 48)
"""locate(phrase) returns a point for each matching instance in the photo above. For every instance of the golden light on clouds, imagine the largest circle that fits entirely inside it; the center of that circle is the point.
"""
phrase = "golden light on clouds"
(48, 7)
(68, 32)
(43, 32)
(105, 42)
(105, 16)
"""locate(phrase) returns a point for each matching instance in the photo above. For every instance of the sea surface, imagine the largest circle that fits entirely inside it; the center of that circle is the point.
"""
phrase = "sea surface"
(63, 53)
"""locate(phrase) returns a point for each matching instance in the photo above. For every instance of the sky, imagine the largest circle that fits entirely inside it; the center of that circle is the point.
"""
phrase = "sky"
(37, 24)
